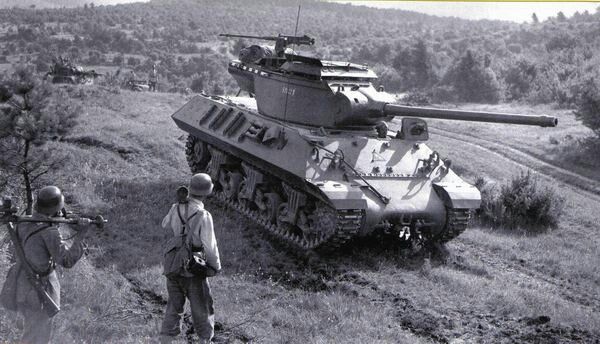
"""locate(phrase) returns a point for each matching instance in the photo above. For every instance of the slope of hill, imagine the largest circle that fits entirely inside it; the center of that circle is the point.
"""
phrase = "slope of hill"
(125, 159)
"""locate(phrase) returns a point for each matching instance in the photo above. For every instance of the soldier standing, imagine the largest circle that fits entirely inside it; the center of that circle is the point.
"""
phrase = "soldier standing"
(189, 223)
(43, 249)
(153, 78)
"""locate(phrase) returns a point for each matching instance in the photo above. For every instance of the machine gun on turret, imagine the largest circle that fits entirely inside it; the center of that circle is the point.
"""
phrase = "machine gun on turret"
(281, 41)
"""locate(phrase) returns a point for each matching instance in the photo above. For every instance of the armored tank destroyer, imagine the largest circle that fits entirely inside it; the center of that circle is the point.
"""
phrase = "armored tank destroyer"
(63, 71)
(317, 155)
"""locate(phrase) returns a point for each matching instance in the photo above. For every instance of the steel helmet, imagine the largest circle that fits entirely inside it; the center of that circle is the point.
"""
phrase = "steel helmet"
(50, 200)
(200, 185)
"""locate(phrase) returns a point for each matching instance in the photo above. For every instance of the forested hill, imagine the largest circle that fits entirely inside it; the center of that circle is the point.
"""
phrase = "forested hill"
(58, 3)
(447, 58)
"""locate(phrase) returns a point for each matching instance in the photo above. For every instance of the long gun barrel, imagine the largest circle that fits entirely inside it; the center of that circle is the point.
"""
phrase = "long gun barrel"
(473, 116)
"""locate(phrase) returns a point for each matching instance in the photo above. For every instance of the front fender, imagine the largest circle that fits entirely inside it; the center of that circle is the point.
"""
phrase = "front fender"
(458, 196)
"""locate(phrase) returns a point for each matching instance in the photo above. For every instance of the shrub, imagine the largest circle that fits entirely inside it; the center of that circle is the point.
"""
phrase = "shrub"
(519, 78)
(521, 204)
(473, 79)
(515, 48)
(118, 60)
(588, 105)
(198, 83)
(133, 61)
(444, 93)
(561, 41)
(417, 98)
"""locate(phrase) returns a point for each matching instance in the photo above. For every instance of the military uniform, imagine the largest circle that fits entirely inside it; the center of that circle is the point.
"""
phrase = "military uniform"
(153, 80)
(196, 289)
(44, 249)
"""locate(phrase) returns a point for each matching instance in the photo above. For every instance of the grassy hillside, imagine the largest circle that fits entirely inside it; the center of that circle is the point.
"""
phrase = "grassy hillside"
(125, 159)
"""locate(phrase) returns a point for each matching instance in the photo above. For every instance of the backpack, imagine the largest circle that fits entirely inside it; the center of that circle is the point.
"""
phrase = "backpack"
(179, 255)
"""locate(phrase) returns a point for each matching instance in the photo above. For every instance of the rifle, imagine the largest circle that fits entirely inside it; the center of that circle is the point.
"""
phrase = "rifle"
(8, 215)
(281, 41)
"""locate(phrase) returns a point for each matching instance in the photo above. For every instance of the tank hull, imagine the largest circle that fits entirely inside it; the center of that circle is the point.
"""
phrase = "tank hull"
(381, 182)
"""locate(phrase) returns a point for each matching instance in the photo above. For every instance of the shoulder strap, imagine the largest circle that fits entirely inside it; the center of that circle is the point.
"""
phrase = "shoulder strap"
(200, 211)
(183, 222)
(194, 214)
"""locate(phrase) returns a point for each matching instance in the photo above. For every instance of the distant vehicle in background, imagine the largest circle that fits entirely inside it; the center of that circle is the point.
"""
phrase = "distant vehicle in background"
(63, 71)
(136, 85)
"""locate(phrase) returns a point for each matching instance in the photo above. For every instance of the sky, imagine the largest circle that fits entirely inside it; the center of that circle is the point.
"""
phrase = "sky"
(513, 11)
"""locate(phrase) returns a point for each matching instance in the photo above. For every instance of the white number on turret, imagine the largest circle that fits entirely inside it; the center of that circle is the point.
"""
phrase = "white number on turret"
(288, 90)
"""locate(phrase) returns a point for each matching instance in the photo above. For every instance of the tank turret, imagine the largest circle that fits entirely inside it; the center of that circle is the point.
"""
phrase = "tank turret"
(332, 94)
(281, 41)
(310, 156)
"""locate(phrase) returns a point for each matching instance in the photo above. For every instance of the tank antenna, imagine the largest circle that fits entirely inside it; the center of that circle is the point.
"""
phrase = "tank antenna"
(292, 58)
(297, 21)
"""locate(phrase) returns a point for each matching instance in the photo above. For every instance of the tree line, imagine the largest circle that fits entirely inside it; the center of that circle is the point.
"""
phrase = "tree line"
(445, 59)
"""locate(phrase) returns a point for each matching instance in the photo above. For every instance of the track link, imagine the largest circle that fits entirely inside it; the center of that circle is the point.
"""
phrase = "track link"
(457, 221)
(348, 223)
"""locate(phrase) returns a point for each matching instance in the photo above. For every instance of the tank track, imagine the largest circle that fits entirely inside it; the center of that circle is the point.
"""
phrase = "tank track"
(457, 221)
(347, 226)
(346, 222)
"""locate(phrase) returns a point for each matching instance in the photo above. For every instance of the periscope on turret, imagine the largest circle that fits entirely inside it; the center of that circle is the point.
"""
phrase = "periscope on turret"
(313, 156)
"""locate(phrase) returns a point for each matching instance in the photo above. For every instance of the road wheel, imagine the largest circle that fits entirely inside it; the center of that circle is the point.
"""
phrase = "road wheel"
(197, 154)
(231, 187)
(272, 202)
